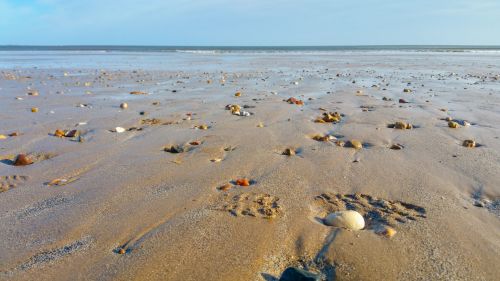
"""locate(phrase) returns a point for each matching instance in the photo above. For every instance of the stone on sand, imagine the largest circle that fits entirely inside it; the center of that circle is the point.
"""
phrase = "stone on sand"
(23, 160)
(453, 124)
(119, 129)
(356, 144)
(469, 143)
(402, 125)
(347, 219)
(289, 152)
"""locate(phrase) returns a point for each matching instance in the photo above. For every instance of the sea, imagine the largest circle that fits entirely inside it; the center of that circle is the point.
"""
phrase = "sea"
(188, 57)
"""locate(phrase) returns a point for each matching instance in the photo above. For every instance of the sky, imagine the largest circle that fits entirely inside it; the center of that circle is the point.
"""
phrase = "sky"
(250, 22)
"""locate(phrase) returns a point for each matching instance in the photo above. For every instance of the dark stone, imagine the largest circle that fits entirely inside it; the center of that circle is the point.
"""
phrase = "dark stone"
(479, 204)
(297, 274)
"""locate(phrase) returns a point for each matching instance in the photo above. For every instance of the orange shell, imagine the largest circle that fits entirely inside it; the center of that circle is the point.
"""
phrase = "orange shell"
(243, 182)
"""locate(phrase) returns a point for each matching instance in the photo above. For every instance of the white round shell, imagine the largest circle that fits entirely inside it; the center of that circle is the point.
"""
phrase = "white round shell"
(347, 219)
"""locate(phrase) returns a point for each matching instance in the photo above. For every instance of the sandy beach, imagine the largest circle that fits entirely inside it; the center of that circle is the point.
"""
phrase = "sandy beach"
(199, 166)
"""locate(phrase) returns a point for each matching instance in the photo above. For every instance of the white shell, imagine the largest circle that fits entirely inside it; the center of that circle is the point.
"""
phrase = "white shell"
(347, 219)
(119, 130)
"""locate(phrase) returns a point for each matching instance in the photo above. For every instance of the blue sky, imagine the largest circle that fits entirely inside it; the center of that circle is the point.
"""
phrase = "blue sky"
(249, 22)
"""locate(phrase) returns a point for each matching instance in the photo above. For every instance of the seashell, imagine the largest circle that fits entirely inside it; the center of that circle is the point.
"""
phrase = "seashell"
(225, 187)
(215, 160)
(58, 182)
(293, 100)
(469, 143)
(340, 143)
(202, 127)
(174, 149)
(124, 105)
(33, 93)
(59, 133)
(355, 144)
(122, 251)
(260, 125)
(34, 109)
(401, 125)
(329, 117)
(347, 219)
(72, 134)
(237, 94)
(242, 182)
(19, 98)
(195, 143)
(289, 152)
(23, 160)
(321, 138)
(397, 146)
(359, 92)
(387, 231)
(407, 90)
(119, 129)
(453, 124)
(138, 93)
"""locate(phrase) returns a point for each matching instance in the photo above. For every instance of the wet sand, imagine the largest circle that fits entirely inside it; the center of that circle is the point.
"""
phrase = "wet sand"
(117, 206)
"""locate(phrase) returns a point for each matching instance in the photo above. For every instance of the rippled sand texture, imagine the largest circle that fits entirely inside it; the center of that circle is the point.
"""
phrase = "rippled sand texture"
(118, 206)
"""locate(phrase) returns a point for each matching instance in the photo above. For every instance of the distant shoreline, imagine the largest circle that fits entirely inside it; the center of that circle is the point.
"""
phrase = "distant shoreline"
(117, 48)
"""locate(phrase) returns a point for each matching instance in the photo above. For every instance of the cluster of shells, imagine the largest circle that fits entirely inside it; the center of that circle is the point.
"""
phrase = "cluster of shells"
(293, 100)
(401, 125)
(329, 117)
(236, 110)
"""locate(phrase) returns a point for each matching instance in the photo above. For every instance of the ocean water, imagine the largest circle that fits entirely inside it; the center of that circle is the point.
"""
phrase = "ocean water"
(211, 57)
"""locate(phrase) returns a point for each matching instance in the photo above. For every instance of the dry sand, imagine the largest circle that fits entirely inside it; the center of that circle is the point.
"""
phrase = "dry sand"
(165, 213)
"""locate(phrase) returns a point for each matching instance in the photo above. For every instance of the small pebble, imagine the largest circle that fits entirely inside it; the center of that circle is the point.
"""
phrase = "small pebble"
(355, 144)
(453, 124)
(469, 143)
(397, 146)
(242, 182)
(23, 160)
(289, 152)
(225, 187)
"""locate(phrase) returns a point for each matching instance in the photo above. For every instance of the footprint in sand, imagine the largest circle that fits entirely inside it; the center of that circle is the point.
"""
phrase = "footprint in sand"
(52, 255)
(12, 181)
(251, 204)
(376, 212)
